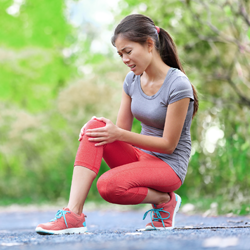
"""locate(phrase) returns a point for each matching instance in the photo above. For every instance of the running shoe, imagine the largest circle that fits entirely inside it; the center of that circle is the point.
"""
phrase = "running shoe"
(163, 215)
(65, 222)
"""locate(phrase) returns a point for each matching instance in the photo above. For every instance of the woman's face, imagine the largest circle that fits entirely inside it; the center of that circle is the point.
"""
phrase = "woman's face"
(136, 56)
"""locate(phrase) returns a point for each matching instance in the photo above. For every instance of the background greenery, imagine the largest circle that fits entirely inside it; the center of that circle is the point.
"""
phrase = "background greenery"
(52, 82)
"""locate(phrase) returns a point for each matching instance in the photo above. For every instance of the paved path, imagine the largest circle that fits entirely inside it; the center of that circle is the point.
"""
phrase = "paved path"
(117, 230)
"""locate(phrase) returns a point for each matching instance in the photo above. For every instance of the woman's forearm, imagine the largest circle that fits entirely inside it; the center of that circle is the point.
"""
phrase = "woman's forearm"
(151, 143)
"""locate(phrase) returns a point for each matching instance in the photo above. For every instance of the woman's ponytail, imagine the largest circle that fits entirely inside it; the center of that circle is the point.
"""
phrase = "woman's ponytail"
(169, 56)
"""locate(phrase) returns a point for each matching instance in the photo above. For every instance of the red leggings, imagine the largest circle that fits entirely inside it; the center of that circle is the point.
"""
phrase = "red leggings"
(132, 170)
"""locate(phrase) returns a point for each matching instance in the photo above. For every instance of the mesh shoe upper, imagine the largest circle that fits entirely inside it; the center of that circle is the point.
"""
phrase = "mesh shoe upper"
(64, 219)
(162, 214)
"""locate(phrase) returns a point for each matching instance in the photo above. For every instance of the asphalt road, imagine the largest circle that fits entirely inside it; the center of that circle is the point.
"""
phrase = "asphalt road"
(117, 230)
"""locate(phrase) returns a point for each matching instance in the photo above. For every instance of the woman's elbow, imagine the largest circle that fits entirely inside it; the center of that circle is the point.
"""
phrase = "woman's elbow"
(169, 151)
(169, 148)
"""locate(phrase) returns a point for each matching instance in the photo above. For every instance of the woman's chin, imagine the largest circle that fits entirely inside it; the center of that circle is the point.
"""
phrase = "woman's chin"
(137, 72)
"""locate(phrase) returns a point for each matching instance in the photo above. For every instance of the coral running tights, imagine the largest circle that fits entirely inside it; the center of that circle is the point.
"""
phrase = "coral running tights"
(132, 170)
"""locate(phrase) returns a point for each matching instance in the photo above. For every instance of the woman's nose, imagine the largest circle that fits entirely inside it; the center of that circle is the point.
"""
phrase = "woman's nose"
(125, 59)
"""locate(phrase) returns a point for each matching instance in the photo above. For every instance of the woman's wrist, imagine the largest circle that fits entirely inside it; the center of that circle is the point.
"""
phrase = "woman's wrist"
(120, 134)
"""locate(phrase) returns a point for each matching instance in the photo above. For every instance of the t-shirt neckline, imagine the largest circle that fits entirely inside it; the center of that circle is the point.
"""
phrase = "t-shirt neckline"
(159, 91)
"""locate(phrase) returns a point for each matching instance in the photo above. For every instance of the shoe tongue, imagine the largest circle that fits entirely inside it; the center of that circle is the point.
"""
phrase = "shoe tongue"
(66, 209)
(158, 206)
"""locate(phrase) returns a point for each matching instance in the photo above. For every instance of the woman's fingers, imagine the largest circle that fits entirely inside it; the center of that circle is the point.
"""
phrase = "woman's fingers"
(97, 134)
(82, 132)
(101, 143)
(95, 130)
(103, 119)
(80, 135)
(98, 139)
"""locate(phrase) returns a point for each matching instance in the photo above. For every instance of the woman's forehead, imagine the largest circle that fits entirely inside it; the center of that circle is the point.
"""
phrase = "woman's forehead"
(122, 43)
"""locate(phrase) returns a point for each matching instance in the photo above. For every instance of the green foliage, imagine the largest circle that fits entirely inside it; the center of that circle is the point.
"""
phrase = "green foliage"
(45, 102)
(45, 98)
(32, 67)
(40, 24)
(38, 137)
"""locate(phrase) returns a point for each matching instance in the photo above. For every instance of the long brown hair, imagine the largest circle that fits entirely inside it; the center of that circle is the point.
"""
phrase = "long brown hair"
(138, 28)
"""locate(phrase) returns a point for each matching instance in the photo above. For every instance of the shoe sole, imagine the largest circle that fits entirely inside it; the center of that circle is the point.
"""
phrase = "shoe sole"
(178, 204)
(79, 230)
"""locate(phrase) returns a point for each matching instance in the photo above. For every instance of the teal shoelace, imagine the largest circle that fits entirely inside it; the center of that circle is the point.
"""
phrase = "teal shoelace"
(59, 214)
(156, 212)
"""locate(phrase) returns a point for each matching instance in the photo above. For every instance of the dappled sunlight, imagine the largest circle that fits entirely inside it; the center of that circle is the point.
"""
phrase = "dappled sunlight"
(14, 9)
(213, 134)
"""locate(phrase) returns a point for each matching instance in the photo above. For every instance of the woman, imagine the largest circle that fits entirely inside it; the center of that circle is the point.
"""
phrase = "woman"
(146, 167)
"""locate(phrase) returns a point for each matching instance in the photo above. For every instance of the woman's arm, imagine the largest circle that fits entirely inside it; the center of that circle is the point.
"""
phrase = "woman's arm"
(175, 118)
(125, 116)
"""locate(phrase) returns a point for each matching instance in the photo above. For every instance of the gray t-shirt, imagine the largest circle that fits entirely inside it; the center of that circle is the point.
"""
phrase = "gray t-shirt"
(151, 112)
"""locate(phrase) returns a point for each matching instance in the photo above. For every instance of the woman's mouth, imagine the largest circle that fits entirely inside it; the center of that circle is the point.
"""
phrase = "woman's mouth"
(132, 67)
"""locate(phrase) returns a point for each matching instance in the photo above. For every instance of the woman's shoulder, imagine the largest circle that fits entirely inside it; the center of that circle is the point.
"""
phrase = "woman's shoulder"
(177, 73)
(177, 77)
(130, 77)
(129, 83)
(179, 87)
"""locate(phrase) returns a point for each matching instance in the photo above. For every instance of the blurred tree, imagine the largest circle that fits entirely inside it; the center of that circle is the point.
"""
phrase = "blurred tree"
(47, 93)
(33, 70)
(32, 43)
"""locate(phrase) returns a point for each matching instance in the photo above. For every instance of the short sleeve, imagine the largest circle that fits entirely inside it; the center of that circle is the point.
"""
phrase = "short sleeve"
(181, 88)
(128, 83)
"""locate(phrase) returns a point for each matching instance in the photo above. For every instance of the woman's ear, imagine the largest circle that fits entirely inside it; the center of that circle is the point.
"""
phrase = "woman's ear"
(150, 44)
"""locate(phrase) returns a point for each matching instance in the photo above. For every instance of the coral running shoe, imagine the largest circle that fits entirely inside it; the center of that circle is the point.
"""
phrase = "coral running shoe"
(65, 222)
(163, 215)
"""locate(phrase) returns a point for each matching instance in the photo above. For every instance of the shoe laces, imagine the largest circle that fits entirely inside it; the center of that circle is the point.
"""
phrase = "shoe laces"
(59, 214)
(156, 216)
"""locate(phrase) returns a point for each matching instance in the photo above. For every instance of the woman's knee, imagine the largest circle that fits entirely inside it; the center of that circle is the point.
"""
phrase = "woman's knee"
(93, 123)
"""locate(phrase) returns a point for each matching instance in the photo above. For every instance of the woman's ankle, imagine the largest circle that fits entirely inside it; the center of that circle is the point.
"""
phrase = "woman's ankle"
(164, 200)
(75, 210)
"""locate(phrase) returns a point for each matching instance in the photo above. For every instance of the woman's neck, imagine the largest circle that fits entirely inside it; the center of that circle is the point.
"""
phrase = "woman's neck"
(156, 71)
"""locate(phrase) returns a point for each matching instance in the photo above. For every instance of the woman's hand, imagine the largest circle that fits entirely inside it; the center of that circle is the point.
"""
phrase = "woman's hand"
(82, 132)
(104, 135)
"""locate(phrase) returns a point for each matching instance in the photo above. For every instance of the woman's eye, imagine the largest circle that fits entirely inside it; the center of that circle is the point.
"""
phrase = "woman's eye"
(128, 53)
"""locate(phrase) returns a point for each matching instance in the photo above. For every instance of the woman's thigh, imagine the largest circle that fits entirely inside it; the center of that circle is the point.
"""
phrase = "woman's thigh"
(119, 153)
(153, 174)
(129, 183)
